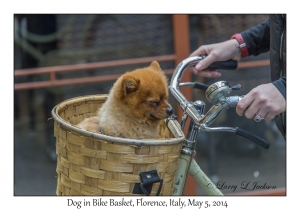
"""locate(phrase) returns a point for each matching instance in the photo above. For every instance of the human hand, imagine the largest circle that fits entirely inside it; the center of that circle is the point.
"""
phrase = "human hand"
(215, 52)
(264, 100)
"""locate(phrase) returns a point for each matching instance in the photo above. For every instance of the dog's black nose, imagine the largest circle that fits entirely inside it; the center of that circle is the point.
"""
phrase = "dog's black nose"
(169, 111)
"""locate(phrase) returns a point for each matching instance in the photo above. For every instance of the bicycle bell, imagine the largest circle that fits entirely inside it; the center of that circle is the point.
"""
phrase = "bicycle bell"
(218, 91)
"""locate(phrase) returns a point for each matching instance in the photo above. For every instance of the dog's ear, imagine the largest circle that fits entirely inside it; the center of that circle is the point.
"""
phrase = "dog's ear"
(130, 85)
(155, 66)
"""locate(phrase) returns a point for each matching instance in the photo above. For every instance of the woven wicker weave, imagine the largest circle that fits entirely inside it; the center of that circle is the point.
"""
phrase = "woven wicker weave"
(95, 164)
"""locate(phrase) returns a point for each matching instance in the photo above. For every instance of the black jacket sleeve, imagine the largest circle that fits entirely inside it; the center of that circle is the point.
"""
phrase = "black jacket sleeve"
(257, 38)
(281, 85)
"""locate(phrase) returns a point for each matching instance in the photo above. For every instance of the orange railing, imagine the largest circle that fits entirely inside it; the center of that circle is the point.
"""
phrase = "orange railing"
(81, 67)
(105, 78)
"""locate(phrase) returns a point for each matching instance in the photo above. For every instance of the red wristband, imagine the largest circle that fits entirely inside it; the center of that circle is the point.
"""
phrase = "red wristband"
(242, 45)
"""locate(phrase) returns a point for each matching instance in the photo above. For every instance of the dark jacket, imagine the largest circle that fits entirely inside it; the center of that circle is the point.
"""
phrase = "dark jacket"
(271, 36)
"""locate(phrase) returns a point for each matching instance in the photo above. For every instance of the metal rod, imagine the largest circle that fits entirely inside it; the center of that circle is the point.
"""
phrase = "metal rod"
(104, 64)
(186, 84)
(85, 80)
(218, 129)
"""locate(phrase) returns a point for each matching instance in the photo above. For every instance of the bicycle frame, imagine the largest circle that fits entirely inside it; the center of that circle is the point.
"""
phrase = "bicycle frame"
(187, 165)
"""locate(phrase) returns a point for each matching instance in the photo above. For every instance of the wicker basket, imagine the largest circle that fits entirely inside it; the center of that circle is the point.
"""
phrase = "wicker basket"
(95, 164)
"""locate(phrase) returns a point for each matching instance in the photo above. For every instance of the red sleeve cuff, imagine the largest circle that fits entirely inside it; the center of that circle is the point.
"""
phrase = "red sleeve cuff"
(242, 45)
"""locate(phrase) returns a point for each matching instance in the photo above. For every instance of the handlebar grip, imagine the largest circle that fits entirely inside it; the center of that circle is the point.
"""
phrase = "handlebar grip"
(258, 140)
(200, 86)
(225, 65)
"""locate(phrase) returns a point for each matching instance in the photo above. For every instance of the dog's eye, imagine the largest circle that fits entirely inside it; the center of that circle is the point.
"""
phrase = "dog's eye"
(154, 103)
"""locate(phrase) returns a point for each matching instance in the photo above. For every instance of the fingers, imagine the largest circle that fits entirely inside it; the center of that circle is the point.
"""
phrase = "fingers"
(264, 100)
(204, 64)
(201, 67)
(200, 51)
(243, 107)
(251, 109)
(261, 113)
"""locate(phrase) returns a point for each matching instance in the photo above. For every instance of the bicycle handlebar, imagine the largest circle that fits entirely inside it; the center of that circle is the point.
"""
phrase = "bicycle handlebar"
(177, 75)
(203, 121)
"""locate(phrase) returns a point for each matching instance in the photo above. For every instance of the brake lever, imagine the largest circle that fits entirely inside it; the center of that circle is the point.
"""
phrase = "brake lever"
(215, 110)
(240, 132)
(195, 85)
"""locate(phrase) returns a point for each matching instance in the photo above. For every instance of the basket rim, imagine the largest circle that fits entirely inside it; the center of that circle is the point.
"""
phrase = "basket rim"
(139, 142)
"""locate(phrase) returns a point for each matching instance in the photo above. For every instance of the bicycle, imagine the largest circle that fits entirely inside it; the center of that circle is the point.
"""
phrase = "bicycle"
(95, 164)
(218, 95)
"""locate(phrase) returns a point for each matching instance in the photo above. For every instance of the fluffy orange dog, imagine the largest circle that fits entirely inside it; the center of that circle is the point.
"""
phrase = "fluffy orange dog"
(135, 105)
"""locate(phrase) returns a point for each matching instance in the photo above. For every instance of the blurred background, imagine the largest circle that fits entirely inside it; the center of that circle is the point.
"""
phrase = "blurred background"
(60, 56)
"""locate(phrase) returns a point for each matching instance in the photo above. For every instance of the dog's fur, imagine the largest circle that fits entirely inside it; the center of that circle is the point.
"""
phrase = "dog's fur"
(135, 105)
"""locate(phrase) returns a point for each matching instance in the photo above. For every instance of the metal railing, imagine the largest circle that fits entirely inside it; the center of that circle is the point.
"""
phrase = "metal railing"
(105, 78)
(81, 67)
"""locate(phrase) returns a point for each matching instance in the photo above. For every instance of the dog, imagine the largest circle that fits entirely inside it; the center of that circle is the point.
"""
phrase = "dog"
(135, 105)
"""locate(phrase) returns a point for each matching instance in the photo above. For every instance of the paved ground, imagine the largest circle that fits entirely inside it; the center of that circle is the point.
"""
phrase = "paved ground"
(269, 169)
(34, 172)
